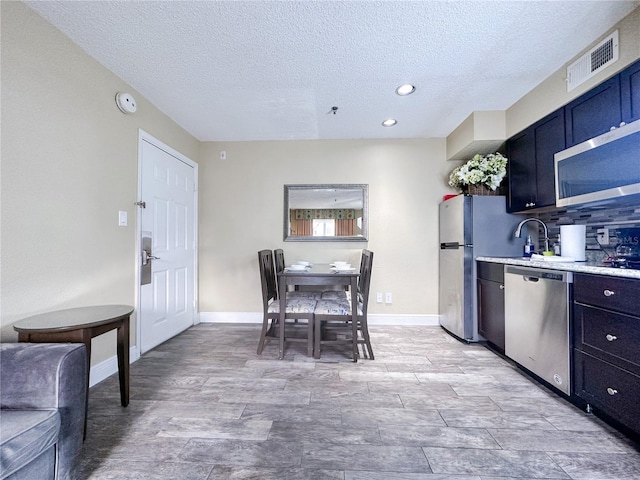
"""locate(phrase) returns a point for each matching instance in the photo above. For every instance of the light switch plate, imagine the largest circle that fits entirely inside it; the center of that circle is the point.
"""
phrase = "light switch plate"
(122, 218)
(378, 297)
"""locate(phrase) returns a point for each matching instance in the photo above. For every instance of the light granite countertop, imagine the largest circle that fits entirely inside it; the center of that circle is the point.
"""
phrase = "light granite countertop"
(581, 267)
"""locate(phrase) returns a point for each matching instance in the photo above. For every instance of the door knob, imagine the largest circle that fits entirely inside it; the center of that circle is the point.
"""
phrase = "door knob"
(146, 256)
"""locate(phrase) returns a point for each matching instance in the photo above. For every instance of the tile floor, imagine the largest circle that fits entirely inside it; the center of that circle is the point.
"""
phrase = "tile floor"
(204, 406)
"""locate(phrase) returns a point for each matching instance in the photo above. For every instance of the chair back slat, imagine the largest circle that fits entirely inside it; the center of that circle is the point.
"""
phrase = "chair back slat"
(278, 256)
(278, 259)
(267, 277)
(364, 282)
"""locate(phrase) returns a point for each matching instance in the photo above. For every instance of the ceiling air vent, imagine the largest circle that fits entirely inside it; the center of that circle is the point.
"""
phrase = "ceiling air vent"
(599, 57)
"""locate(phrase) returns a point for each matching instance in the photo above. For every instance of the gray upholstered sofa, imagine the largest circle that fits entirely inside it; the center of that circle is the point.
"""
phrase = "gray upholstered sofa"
(42, 409)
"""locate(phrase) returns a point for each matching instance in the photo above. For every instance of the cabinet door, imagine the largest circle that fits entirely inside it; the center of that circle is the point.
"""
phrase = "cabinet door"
(593, 113)
(612, 336)
(630, 92)
(611, 293)
(491, 312)
(611, 389)
(521, 171)
(549, 139)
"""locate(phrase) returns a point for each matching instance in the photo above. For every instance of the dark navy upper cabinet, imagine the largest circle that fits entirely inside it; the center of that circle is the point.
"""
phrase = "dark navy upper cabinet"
(630, 92)
(550, 139)
(531, 163)
(521, 171)
(594, 112)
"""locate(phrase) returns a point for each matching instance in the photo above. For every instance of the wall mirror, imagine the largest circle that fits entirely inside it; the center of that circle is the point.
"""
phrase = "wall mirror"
(326, 213)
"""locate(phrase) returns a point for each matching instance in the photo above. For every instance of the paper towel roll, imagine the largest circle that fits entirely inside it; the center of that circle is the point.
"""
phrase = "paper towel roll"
(573, 239)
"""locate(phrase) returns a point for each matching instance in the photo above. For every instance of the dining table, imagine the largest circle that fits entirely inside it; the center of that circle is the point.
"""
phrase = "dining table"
(318, 275)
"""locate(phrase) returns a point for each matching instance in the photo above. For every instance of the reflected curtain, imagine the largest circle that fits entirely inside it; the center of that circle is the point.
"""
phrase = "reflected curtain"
(301, 228)
(345, 228)
(323, 213)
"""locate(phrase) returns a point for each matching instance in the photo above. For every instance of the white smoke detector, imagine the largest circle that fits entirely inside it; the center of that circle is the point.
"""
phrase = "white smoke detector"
(126, 103)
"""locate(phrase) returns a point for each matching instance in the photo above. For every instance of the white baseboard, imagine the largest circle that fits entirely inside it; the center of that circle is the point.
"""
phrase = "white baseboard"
(374, 319)
(230, 317)
(108, 367)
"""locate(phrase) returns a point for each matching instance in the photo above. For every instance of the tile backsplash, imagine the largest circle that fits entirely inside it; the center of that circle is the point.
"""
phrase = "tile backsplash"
(613, 216)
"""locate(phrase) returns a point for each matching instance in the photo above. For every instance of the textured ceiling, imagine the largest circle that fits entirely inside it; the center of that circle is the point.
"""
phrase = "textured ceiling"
(272, 70)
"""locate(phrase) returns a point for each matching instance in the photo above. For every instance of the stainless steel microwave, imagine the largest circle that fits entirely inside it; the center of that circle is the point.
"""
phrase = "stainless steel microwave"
(605, 167)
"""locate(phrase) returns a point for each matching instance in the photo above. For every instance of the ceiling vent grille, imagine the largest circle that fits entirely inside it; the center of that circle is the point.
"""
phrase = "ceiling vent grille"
(596, 59)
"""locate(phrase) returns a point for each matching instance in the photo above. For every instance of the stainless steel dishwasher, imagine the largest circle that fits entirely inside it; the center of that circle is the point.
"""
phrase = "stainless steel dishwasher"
(537, 308)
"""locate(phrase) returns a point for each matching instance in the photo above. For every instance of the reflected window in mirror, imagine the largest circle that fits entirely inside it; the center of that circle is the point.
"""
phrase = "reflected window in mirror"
(326, 212)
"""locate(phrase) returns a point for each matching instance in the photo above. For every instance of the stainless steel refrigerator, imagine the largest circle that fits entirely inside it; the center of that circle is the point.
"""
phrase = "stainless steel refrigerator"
(470, 226)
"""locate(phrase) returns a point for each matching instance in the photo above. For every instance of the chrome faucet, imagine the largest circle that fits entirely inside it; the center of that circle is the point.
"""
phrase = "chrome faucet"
(518, 232)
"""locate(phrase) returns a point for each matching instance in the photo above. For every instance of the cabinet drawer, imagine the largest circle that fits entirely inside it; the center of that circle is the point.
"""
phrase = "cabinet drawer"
(611, 389)
(493, 272)
(612, 293)
(609, 332)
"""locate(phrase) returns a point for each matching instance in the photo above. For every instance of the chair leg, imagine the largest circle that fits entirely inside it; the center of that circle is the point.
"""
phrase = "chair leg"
(365, 334)
(263, 334)
(316, 337)
(310, 329)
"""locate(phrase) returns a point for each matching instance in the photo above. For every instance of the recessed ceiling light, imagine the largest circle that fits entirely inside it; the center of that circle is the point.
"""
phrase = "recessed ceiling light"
(390, 122)
(406, 89)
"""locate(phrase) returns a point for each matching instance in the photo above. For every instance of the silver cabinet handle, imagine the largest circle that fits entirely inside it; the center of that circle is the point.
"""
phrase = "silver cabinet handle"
(609, 293)
(501, 287)
(612, 391)
(611, 338)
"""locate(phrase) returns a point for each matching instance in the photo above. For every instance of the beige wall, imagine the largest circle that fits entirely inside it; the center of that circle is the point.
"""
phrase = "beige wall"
(69, 164)
(552, 92)
(241, 212)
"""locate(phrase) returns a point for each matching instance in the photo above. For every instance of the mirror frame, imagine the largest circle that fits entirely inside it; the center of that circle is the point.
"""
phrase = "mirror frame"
(365, 213)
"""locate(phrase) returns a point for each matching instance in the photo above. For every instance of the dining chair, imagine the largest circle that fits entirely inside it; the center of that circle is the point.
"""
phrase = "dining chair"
(334, 314)
(298, 308)
(343, 294)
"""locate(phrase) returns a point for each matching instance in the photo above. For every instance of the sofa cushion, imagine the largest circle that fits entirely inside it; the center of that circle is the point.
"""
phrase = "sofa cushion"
(25, 434)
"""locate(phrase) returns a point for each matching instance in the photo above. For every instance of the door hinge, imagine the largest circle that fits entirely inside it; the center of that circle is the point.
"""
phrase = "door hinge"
(141, 204)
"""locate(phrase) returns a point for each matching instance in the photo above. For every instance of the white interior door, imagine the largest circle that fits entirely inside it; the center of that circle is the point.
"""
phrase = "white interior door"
(167, 187)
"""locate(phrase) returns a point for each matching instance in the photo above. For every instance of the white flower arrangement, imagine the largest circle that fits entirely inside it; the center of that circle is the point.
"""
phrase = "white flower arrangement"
(487, 170)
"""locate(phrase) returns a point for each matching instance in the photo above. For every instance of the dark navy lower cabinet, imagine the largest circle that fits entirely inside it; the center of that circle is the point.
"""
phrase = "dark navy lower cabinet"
(491, 303)
(606, 341)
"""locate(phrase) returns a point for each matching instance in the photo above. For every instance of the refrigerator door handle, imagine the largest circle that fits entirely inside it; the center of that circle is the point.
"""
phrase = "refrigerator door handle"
(454, 245)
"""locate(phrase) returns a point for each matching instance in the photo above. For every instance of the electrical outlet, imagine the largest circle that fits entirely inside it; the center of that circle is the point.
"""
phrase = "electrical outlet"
(603, 236)
(387, 297)
(378, 297)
